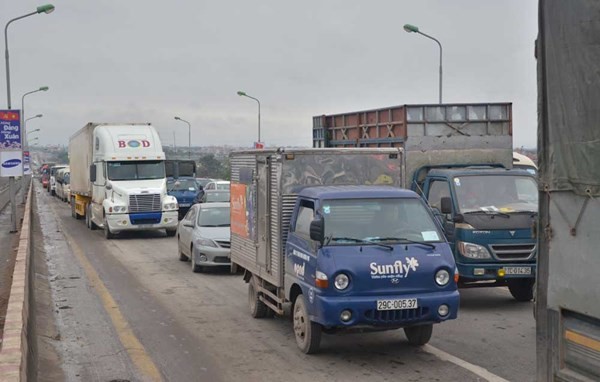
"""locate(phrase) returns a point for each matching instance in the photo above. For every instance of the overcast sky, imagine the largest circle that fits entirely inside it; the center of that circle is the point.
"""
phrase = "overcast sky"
(147, 61)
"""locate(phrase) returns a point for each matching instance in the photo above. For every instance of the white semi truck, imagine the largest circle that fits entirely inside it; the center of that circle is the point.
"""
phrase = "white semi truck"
(118, 179)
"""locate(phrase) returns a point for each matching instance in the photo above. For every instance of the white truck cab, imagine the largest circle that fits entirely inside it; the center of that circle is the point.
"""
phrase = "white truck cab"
(126, 184)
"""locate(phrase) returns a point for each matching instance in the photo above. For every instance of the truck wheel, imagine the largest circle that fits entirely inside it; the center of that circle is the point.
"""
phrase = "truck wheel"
(233, 269)
(171, 232)
(195, 267)
(307, 333)
(521, 289)
(418, 335)
(107, 233)
(258, 309)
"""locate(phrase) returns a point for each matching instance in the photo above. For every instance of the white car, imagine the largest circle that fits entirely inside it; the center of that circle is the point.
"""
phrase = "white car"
(203, 236)
(222, 185)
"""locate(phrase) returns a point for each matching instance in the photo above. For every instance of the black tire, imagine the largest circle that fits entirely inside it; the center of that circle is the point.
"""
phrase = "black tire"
(258, 309)
(419, 335)
(73, 212)
(107, 232)
(171, 232)
(307, 333)
(521, 289)
(195, 267)
(53, 193)
(182, 257)
(233, 269)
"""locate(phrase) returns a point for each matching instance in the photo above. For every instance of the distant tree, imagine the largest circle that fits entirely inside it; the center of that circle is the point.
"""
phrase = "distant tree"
(210, 167)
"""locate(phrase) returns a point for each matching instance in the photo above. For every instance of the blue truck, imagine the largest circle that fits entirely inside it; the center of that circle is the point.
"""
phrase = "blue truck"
(330, 234)
(459, 158)
(182, 184)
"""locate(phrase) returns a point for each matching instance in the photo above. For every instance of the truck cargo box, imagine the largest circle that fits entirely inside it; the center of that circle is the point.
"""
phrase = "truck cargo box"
(264, 186)
(80, 160)
(475, 134)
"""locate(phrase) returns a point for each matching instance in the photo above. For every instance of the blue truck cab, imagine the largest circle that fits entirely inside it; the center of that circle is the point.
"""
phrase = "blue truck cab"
(329, 235)
(488, 214)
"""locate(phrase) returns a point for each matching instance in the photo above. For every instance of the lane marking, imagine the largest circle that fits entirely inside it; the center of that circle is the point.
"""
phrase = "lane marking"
(136, 351)
(477, 370)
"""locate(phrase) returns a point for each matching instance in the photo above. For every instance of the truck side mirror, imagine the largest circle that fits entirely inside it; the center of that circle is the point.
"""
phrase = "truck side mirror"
(446, 204)
(93, 173)
(317, 230)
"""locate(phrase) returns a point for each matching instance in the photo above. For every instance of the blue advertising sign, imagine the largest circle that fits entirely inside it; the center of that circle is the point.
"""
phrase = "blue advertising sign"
(10, 130)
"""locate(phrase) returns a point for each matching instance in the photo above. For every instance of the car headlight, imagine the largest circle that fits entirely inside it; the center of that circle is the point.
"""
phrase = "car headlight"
(170, 206)
(206, 243)
(341, 281)
(473, 251)
(442, 277)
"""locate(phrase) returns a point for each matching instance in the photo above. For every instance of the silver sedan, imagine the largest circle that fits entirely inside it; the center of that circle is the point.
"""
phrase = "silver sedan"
(203, 236)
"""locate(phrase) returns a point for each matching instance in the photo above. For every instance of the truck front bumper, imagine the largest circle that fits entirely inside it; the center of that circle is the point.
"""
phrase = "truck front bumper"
(146, 221)
(328, 309)
(493, 272)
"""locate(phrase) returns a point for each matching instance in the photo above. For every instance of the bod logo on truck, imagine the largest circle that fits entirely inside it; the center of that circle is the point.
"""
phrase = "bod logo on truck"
(133, 143)
(396, 270)
(11, 163)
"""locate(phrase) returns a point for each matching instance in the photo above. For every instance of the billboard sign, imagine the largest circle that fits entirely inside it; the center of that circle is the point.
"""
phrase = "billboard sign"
(11, 154)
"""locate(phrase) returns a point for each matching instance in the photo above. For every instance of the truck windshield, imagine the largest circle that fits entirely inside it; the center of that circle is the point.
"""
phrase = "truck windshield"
(136, 170)
(348, 221)
(496, 193)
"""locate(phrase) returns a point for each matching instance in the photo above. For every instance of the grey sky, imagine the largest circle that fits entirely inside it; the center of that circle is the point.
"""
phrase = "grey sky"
(139, 61)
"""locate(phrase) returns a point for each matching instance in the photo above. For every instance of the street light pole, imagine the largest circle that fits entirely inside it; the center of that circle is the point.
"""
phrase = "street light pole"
(243, 94)
(48, 8)
(25, 144)
(414, 29)
(189, 136)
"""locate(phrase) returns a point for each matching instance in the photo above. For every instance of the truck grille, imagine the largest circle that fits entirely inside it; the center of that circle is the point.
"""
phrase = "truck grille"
(144, 203)
(510, 252)
(223, 243)
(391, 317)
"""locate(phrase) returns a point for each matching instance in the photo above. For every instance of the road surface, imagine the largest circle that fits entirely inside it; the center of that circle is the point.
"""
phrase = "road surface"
(128, 309)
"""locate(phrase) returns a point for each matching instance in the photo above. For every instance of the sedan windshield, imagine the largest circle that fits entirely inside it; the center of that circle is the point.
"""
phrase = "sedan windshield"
(216, 196)
(135, 170)
(496, 193)
(214, 217)
(349, 221)
(184, 185)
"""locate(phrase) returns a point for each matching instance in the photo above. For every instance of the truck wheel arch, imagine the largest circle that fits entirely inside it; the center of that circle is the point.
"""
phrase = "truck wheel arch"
(295, 291)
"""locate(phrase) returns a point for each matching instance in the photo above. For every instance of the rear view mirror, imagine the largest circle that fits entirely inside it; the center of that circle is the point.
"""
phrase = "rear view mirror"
(317, 230)
(446, 204)
(93, 173)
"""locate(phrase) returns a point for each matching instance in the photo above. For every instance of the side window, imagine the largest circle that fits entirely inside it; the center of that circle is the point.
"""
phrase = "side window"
(306, 214)
(210, 186)
(438, 190)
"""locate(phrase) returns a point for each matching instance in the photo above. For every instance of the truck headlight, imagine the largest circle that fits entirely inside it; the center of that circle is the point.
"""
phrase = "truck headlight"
(473, 251)
(206, 243)
(442, 277)
(170, 206)
(341, 281)
(119, 209)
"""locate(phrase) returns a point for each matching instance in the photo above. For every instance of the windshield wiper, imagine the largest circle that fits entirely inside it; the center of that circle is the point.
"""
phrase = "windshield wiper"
(493, 213)
(223, 225)
(533, 213)
(361, 241)
(404, 239)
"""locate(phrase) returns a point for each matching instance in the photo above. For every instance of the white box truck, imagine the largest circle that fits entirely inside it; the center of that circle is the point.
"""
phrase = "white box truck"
(118, 179)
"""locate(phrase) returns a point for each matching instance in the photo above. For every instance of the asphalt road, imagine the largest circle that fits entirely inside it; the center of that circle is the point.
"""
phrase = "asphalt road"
(194, 327)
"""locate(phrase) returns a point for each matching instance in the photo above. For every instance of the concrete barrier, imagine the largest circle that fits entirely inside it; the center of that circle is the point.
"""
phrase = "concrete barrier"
(14, 351)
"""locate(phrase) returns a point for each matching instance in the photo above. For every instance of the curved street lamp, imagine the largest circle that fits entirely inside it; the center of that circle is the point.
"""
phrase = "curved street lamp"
(415, 29)
(47, 8)
(32, 131)
(189, 135)
(243, 94)
(35, 116)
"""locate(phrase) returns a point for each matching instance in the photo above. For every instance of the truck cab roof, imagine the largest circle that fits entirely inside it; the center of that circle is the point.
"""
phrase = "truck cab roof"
(355, 192)
(476, 170)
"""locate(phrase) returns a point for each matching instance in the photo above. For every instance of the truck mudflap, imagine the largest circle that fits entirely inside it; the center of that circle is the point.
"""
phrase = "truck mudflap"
(372, 311)
(495, 272)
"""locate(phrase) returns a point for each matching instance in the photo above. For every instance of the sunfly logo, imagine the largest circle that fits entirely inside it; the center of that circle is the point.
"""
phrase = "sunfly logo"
(398, 269)
(133, 143)
(11, 163)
